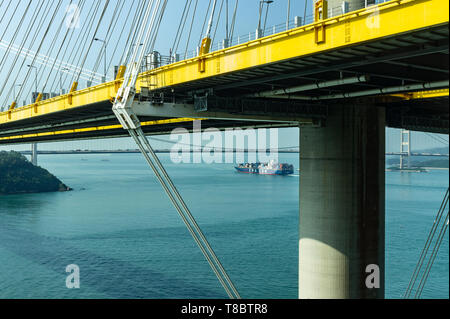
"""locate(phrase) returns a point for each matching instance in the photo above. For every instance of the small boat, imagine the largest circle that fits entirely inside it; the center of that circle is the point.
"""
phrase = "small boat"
(271, 168)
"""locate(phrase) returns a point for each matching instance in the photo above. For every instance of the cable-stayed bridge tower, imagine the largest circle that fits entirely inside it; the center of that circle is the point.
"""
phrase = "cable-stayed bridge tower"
(405, 148)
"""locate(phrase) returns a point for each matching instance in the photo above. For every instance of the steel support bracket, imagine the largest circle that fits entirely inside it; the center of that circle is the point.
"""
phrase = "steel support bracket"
(72, 89)
(204, 49)
(123, 110)
(320, 14)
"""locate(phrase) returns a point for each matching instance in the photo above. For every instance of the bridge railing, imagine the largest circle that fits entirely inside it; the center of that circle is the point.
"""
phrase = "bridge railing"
(274, 29)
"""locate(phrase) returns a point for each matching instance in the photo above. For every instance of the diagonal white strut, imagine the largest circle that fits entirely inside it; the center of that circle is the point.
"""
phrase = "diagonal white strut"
(122, 108)
(184, 212)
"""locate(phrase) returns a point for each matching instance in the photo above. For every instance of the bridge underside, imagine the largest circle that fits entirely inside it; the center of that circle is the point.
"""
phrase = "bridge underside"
(388, 70)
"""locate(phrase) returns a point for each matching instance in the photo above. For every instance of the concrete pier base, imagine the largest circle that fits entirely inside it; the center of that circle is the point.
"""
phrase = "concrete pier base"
(342, 205)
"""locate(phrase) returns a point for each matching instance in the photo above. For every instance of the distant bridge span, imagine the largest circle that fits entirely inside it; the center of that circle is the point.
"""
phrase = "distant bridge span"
(419, 154)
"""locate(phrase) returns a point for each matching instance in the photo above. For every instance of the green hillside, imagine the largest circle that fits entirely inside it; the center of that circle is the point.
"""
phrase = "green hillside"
(18, 175)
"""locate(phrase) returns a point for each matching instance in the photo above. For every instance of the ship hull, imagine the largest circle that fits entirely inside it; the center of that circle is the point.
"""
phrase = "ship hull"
(263, 171)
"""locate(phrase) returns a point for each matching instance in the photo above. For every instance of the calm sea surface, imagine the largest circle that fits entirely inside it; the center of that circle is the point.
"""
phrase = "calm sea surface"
(129, 242)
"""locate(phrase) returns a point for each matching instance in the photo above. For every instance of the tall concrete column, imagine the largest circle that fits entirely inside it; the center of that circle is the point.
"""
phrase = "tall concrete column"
(342, 200)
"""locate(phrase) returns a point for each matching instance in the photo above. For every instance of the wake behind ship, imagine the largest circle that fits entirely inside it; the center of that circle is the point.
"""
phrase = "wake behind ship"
(271, 168)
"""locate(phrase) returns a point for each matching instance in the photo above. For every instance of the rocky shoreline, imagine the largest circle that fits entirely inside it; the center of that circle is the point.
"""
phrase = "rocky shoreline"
(19, 176)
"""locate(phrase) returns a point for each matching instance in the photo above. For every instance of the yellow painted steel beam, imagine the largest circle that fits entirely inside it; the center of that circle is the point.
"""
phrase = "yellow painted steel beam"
(369, 24)
(94, 128)
(365, 25)
(423, 94)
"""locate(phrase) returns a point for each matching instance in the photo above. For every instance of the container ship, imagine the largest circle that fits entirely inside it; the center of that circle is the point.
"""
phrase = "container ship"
(271, 168)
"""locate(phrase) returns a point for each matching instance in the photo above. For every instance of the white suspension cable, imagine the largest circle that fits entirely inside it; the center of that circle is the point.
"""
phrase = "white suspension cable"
(426, 248)
(210, 23)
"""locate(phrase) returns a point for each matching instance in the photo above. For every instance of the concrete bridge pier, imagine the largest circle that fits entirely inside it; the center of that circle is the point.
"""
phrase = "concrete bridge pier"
(342, 205)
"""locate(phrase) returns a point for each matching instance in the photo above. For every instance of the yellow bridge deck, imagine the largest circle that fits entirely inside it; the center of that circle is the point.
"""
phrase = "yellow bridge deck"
(350, 42)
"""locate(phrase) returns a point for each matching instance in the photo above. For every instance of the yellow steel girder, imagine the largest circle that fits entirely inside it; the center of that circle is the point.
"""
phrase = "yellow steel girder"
(93, 128)
(368, 24)
(375, 22)
(423, 94)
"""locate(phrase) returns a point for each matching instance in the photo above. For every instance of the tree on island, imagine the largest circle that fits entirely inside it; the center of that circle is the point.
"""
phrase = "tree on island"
(18, 176)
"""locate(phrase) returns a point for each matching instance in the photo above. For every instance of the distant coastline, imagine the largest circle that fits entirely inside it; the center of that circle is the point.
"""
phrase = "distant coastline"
(420, 163)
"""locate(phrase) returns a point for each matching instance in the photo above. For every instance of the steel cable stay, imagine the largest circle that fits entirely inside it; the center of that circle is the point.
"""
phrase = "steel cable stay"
(149, 41)
(265, 19)
(123, 110)
(56, 63)
(204, 24)
(126, 48)
(21, 48)
(47, 61)
(83, 37)
(44, 60)
(12, 40)
(133, 33)
(51, 50)
(432, 257)
(182, 25)
(137, 138)
(132, 67)
(150, 38)
(40, 58)
(120, 35)
(41, 24)
(437, 138)
(17, 56)
(425, 249)
(93, 37)
(211, 18)
(135, 42)
(25, 38)
(4, 12)
(304, 13)
(227, 32)
(190, 29)
(172, 49)
(178, 202)
(233, 23)
(424, 252)
(109, 64)
(53, 16)
(114, 18)
(133, 71)
(218, 20)
(155, 31)
(15, 32)
(435, 249)
(65, 67)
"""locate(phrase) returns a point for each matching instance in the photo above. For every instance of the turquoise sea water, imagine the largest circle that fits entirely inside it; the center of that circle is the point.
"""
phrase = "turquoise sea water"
(120, 229)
